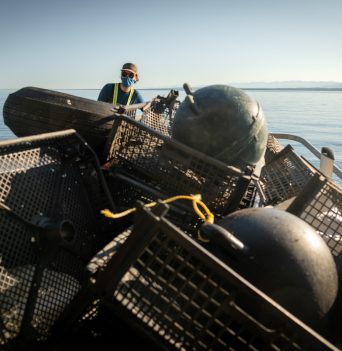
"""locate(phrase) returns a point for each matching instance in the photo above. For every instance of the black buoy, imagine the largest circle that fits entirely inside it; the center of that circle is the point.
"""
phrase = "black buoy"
(281, 255)
(223, 122)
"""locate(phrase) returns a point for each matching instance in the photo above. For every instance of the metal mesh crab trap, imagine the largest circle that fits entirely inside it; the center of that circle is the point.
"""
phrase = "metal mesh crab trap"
(182, 297)
(307, 193)
(284, 176)
(320, 205)
(160, 112)
(51, 194)
(254, 195)
(173, 168)
(273, 147)
(126, 190)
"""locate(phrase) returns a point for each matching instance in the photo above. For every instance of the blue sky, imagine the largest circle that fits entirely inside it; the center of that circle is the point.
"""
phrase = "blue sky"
(83, 44)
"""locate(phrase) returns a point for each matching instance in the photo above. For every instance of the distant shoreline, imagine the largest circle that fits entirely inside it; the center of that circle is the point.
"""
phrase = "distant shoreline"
(195, 88)
(258, 89)
(304, 89)
(247, 88)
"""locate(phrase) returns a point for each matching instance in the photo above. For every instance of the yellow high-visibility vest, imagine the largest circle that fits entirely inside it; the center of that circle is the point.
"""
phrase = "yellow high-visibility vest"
(115, 94)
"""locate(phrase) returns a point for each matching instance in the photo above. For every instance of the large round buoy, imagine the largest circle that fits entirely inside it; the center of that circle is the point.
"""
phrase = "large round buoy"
(281, 255)
(223, 122)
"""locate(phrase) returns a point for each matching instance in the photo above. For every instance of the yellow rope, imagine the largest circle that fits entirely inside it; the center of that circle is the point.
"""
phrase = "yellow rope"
(207, 216)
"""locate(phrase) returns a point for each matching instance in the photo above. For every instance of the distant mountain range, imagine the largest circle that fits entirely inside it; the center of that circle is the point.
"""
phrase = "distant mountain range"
(293, 84)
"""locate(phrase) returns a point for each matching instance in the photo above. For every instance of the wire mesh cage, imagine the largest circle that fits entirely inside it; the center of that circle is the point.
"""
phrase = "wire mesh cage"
(254, 195)
(51, 193)
(182, 297)
(320, 205)
(160, 113)
(284, 176)
(173, 168)
(273, 147)
(127, 190)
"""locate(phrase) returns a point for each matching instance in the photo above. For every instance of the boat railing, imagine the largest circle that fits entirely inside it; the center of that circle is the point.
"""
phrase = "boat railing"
(324, 156)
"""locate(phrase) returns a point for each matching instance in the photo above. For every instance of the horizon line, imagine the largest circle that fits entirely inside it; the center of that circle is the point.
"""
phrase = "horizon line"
(202, 86)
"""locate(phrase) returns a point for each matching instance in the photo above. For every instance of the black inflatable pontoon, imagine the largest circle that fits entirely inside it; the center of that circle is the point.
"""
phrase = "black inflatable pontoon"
(32, 110)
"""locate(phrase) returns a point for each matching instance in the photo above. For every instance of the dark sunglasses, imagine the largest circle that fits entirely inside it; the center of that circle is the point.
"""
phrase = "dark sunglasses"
(127, 74)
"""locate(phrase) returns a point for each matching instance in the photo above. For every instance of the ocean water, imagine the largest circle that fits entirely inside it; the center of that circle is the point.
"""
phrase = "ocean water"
(313, 115)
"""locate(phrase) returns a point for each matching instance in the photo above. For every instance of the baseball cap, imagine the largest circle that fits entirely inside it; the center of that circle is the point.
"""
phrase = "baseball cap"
(130, 67)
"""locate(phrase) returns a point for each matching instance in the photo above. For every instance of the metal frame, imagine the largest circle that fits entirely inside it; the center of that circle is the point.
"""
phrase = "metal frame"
(182, 297)
(309, 146)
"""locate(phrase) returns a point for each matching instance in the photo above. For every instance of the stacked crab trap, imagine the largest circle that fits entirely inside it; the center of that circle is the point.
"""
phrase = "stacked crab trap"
(163, 282)
(66, 271)
(170, 289)
(288, 181)
(148, 165)
(51, 194)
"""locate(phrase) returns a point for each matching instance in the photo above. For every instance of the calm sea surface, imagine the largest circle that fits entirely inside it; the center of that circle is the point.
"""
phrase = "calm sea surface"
(313, 115)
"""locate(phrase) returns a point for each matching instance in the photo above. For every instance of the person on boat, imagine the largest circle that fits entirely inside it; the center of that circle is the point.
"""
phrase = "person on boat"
(123, 93)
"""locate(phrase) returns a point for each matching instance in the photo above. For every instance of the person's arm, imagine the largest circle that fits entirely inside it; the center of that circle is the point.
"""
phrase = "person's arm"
(106, 93)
